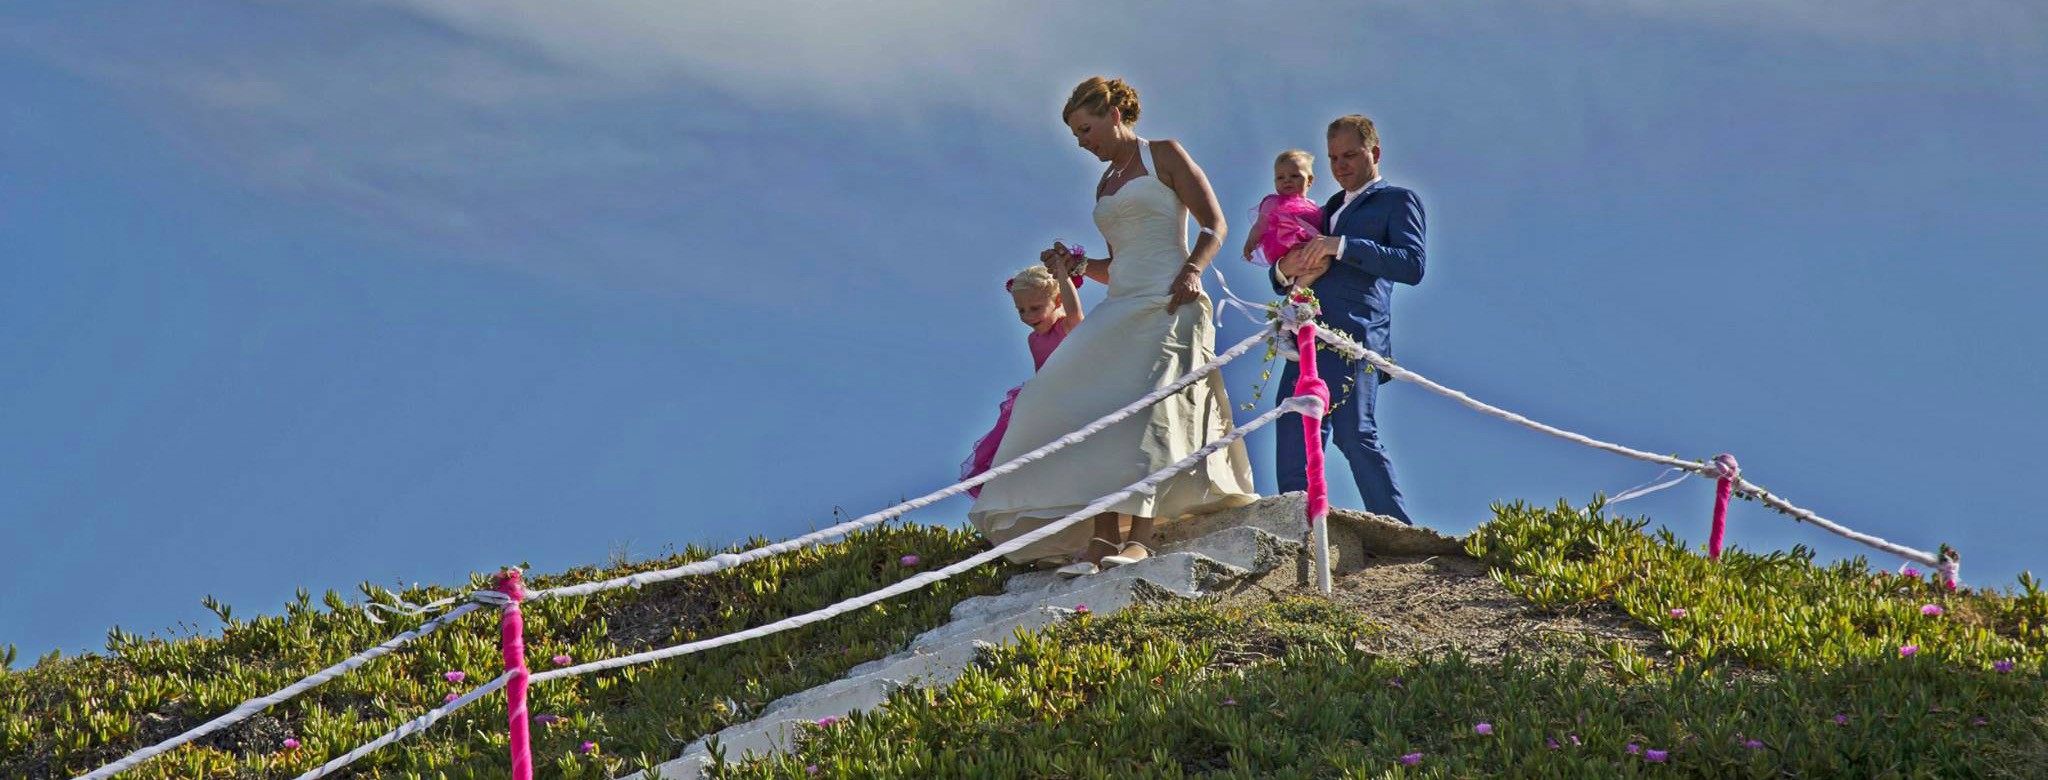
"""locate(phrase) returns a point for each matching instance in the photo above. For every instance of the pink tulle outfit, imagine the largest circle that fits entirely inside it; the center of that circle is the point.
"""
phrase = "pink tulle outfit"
(984, 454)
(1290, 221)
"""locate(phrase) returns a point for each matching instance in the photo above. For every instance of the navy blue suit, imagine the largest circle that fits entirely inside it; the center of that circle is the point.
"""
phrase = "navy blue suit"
(1383, 244)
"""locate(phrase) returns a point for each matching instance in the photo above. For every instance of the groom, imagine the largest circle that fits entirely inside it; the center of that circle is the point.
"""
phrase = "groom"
(1372, 239)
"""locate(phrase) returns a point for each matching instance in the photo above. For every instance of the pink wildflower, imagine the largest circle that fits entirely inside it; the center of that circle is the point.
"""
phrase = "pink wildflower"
(1656, 756)
(1552, 743)
(547, 719)
(1484, 729)
(1909, 572)
(1634, 749)
(1411, 759)
(587, 747)
(1931, 610)
(1081, 608)
(909, 560)
(2001, 667)
(1574, 738)
(454, 677)
(291, 744)
(1978, 721)
(1396, 682)
(1907, 651)
(1841, 720)
(450, 698)
(810, 769)
(827, 721)
(1229, 702)
(1753, 744)
(1678, 613)
(562, 660)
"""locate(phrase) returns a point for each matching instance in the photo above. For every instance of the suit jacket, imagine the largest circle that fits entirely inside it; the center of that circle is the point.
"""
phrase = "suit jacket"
(1383, 244)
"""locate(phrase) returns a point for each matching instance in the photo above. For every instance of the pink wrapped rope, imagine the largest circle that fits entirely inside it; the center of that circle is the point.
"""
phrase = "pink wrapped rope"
(512, 641)
(1724, 488)
(1309, 383)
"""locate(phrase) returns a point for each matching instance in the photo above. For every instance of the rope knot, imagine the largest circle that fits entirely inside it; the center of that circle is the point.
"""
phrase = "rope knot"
(1314, 399)
(1725, 467)
(1950, 567)
(509, 591)
(1299, 308)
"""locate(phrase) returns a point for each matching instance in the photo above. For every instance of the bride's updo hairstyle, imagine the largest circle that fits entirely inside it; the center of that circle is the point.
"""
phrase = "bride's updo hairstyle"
(1098, 95)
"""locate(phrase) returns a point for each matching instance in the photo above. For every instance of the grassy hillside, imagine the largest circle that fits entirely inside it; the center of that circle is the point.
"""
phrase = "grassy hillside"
(1776, 668)
(1764, 666)
(66, 716)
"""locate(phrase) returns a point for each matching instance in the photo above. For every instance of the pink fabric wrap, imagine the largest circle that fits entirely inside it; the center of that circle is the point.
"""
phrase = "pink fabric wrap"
(1290, 221)
(1309, 383)
(512, 641)
(983, 455)
(1724, 488)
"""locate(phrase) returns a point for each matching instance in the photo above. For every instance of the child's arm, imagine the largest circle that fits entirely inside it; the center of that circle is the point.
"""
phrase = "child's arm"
(1258, 230)
(1070, 298)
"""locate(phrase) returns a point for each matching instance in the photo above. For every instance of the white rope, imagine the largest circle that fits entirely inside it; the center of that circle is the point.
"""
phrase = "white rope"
(254, 706)
(1807, 515)
(409, 728)
(725, 561)
(1709, 470)
(1302, 404)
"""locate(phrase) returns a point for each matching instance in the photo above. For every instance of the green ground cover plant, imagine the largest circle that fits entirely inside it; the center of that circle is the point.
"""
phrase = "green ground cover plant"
(67, 715)
(1778, 668)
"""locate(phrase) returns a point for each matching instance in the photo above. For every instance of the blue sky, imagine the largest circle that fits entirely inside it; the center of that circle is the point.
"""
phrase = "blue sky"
(395, 291)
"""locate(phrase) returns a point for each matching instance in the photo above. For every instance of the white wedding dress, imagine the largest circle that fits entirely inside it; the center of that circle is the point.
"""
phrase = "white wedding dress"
(1127, 346)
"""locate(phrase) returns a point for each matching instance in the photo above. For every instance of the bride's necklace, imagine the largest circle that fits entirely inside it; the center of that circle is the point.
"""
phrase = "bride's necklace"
(1118, 171)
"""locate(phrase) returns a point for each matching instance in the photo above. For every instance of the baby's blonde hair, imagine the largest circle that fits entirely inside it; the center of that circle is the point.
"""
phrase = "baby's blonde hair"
(1307, 160)
(1034, 279)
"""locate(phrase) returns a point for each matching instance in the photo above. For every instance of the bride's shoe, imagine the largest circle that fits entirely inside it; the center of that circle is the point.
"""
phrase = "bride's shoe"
(1083, 568)
(1124, 556)
(1078, 569)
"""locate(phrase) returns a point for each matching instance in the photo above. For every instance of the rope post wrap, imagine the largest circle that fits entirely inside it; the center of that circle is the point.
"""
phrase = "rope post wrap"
(1724, 488)
(512, 640)
(1309, 384)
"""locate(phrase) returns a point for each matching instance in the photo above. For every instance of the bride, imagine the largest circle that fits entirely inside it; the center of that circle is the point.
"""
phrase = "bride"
(1154, 326)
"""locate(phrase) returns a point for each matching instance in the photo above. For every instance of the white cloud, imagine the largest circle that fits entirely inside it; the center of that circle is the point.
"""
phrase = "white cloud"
(576, 138)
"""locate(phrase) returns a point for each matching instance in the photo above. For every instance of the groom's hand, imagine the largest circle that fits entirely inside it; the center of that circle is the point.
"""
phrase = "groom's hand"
(1307, 259)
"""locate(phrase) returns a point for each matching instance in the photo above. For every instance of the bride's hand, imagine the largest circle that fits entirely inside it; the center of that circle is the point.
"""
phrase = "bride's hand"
(1057, 258)
(1186, 287)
